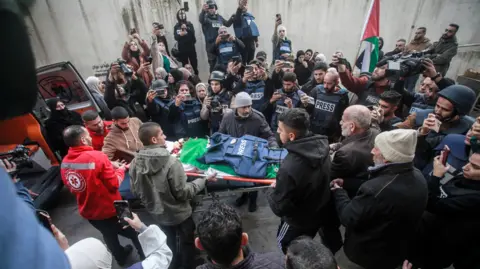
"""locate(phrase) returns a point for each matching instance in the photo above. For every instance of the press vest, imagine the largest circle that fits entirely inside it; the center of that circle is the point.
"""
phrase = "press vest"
(419, 106)
(216, 114)
(162, 119)
(248, 155)
(226, 50)
(257, 93)
(368, 97)
(190, 124)
(462, 127)
(248, 28)
(210, 30)
(328, 110)
(285, 46)
(281, 107)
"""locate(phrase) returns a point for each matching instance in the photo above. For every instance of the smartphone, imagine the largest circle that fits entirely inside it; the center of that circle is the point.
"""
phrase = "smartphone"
(185, 6)
(133, 31)
(123, 210)
(286, 65)
(371, 107)
(45, 219)
(188, 96)
(249, 68)
(149, 59)
(279, 16)
(445, 153)
(160, 92)
(342, 61)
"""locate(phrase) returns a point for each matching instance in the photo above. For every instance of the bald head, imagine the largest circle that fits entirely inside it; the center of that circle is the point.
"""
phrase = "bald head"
(331, 80)
(359, 115)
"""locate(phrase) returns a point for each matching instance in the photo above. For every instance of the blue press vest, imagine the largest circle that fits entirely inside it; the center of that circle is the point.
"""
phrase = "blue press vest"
(464, 123)
(248, 155)
(211, 29)
(418, 106)
(257, 93)
(190, 124)
(248, 28)
(226, 50)
(327, 111)
(280, 106)
(216, 117)
(285, 47)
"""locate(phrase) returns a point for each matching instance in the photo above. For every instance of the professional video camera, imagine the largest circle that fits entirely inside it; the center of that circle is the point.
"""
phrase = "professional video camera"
(20, 155)
(123, 66)
(400, 65)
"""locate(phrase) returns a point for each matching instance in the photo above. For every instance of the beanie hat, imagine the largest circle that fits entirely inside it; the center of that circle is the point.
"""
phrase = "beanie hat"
(176, 74)
(397, 146)
(242, 99)
(89, 253)
(281, 27)
(321, 57)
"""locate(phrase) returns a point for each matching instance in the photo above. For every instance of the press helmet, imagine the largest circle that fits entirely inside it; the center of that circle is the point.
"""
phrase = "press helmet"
(463, 98)
(217, 76)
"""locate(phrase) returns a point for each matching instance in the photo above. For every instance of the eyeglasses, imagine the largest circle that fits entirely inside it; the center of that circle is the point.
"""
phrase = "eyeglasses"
(450, 31)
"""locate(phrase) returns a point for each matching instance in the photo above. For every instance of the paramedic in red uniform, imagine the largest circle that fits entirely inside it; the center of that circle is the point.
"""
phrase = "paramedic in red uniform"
(96, 127)
(94, 180)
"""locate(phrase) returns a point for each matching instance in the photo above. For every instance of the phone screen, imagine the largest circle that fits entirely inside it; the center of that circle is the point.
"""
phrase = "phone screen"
(160, 92)
(445, 153)
(123, 210)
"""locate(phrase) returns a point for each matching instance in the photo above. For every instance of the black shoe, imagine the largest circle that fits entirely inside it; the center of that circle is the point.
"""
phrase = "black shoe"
(252, 206)
(127, 250)
(241, 200)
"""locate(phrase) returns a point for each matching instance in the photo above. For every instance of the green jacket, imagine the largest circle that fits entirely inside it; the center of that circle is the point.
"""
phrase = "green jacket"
(159, 180)
(444, 50)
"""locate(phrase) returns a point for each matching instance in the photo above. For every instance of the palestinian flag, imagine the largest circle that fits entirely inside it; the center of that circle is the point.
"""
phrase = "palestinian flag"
(370, 34)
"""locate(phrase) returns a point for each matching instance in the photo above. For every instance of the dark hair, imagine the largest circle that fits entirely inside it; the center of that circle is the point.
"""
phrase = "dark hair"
(422, 28)
(220, 232)
(304, 252)
(391, 97)
(290, 76)
(89, 115)
(148, 130)
(311, 51)
(300, 53)
(119, 113)
(402, 40)
(321, 66)
(296, 119)
(72, 135)
(190, 86)
(454, 25)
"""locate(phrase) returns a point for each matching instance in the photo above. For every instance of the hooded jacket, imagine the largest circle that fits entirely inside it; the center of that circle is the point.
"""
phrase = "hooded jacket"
(443, 51)
(123, 145)
(381, 220)
(302, 189)
(90, 176)
(186, 42)
(160, 181)
(418, 45)
(57, 122)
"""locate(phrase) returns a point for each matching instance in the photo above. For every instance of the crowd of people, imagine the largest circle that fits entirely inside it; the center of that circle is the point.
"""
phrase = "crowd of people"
(396, 166)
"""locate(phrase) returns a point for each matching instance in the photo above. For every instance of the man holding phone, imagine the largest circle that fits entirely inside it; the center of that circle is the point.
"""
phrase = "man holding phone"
(94, 180)
(226, 46)
(158, 106)
(246, 30)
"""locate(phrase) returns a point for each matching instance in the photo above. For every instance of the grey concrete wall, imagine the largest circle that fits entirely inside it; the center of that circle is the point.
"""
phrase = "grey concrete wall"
(92, 32)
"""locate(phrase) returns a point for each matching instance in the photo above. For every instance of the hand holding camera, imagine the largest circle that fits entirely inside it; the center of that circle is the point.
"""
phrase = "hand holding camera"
(151, 95)
(208, 101)
(275, 97)
(278, 66)
(179, 99)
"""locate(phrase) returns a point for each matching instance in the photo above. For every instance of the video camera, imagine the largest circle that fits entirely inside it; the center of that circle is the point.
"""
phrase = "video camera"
(124, 68)
(400, 65)
(20, 155)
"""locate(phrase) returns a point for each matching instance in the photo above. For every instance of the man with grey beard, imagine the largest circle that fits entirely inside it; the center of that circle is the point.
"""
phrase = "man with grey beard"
(245, 120)
(352, 156)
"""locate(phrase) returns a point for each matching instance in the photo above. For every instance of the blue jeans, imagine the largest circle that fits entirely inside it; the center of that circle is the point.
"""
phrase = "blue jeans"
(124, 188)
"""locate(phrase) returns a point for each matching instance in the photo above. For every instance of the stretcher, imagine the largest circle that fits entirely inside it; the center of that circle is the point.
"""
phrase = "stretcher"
(227, 181)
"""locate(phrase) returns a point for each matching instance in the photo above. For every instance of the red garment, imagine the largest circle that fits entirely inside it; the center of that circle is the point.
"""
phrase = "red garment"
(91, 177)
(97, 139)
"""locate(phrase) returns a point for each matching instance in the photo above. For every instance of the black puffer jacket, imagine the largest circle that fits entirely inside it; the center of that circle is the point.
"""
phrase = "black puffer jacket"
(302, 189)
(186, 42)
(272, 260)
(382, 219)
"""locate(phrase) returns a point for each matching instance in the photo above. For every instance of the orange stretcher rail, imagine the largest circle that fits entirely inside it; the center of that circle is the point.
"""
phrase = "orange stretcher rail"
(242, 179)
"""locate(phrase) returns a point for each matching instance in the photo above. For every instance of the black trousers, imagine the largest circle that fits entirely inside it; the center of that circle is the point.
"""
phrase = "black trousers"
(212, 58)
(111, 229)
(189, 57)
(286, 234)
(180, 239)
(248, 53)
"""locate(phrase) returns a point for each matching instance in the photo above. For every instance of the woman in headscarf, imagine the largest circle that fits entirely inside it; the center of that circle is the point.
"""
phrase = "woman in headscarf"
(135, 53)
(202, 90)
(94, 85)
(161, 73)
(60, 118)
(303, 68)
(175, 76)
(166, 61)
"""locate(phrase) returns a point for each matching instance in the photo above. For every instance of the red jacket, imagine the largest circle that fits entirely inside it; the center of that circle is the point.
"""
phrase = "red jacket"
(97, 139)
(91, 177)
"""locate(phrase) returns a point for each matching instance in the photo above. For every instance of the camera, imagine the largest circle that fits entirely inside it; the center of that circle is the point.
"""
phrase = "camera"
(215, 104)
(124, 68)
(400, 65)
(20, 155)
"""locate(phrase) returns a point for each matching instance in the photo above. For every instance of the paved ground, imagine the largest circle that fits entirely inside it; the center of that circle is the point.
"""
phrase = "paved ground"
(261, 226)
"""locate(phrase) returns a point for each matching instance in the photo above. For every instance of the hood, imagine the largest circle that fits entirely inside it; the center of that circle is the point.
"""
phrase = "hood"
(383, 43)
(151, 159)
(178, 16)
(313, 148)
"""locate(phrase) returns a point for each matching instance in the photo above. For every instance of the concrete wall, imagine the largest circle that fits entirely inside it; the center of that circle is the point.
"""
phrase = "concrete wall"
(92, 32)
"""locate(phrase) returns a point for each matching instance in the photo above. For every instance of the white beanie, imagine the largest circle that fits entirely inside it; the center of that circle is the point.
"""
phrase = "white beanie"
(281, 27)
(242, 99)
(89, 253)
(397, 146)
(321, 57)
